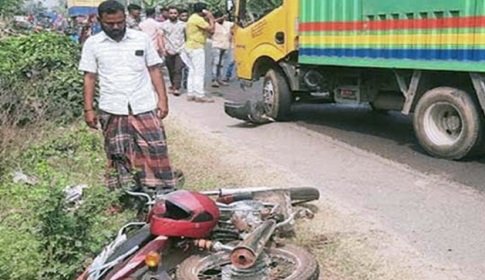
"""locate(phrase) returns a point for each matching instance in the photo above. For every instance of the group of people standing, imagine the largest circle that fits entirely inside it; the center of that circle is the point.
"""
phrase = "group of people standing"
(180, 40)
(132, 95)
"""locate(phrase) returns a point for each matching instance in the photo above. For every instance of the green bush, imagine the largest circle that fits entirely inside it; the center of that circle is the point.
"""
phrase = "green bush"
(41, 236)
(39, 79)
(37, 54)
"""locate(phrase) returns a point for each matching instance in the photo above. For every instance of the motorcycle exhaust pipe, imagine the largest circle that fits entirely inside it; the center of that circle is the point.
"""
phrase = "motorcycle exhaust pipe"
(249, 250)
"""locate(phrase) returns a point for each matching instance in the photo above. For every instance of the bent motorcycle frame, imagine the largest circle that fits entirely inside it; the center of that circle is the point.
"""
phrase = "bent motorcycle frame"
(130, 265)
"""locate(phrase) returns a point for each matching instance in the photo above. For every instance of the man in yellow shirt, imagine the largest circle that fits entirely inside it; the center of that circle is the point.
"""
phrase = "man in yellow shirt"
(196, 30)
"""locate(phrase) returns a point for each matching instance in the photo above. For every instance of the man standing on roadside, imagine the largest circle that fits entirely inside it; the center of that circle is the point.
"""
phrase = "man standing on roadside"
(132, 101)
(221, 44)
(163, 16)
(134, 16)
(197, 29)
(173, 41)
(152, 28)
(184, 16)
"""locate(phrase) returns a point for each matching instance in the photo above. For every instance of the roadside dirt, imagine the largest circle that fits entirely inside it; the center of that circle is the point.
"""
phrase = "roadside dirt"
(347, 243)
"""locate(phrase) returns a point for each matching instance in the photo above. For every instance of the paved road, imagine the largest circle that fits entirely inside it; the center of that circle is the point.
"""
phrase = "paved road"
(441, 220)
(388, 135)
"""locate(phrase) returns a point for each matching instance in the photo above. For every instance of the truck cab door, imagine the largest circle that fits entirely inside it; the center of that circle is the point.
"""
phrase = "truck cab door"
(261, 29)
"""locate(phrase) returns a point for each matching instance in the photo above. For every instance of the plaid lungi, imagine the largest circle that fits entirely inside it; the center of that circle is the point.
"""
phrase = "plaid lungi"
(137, 153)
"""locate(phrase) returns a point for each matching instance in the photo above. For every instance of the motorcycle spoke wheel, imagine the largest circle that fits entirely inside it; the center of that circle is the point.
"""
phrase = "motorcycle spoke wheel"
(287, 263)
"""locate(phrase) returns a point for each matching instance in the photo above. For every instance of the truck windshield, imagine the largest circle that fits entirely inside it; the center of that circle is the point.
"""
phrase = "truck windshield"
(252, 10)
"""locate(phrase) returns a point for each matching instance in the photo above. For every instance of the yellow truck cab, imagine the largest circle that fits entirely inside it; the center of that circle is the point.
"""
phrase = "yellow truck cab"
(266, 32)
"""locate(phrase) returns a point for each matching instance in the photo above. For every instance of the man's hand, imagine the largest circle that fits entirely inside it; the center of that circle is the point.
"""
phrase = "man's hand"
(162, 110)
(159, 85)
(91, 119)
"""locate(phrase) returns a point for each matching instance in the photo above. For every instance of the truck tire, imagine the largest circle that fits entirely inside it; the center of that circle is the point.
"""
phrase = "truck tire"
(448, 123)
(276, 95)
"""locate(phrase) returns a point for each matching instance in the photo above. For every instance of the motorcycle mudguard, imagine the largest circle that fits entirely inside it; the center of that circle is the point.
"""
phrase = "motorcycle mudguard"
(129, 266)
(140, 238)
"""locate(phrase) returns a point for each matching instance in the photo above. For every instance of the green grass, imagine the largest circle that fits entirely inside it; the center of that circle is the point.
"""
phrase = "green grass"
(42, 238)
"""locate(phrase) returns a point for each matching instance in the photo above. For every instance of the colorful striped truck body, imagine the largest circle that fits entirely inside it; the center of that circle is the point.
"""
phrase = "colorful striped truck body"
(405, 34)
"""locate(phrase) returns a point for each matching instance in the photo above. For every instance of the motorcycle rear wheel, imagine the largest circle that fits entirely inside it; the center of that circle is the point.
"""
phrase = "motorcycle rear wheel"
(287, 263)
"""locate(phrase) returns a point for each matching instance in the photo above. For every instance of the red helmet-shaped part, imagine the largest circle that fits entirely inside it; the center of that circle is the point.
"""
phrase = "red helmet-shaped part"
(184, 213)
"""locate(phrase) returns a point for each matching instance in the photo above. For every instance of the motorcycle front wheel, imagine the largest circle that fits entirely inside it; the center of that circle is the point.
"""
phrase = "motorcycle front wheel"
(287, 263)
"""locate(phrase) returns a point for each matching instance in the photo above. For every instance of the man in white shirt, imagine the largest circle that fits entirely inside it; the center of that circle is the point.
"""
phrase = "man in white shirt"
(132, 101)
(152, 28)
(173, 43)
(221, 44)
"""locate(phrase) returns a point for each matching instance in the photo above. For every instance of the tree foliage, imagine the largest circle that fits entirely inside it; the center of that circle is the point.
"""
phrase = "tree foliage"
(9, 7)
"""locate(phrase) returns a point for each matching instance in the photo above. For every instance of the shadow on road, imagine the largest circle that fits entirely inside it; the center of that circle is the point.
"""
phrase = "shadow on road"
(389, 135)
(359, 121)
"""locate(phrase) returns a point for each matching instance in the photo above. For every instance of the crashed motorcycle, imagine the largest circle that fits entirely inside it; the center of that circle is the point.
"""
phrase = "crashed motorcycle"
(224, 234)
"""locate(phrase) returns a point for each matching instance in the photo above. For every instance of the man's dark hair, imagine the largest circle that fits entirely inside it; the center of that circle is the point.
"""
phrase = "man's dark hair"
(163, 9)
(150, 12)
(110, 7)
(133, 7)
(173, 8)
(218, 14)
(199, 7)
(184, 11)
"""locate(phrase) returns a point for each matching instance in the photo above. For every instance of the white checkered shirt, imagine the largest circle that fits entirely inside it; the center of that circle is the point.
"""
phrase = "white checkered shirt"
(122, 68)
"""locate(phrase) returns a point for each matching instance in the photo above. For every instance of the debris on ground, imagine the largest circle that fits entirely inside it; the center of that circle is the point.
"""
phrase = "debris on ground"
(75, 193)
(20, 177)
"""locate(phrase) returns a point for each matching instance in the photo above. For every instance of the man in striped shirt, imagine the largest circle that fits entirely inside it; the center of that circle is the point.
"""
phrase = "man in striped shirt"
(132, 101)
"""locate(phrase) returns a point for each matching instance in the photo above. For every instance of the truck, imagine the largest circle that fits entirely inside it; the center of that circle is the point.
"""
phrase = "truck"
(83, 7)
(425, 59)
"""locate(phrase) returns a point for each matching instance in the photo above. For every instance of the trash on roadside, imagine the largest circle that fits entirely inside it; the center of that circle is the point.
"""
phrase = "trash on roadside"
(20, 177)
(75, 193)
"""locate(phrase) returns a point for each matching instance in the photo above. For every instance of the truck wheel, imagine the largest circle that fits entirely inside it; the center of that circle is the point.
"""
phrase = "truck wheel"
(448, 123)
(276, 95)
